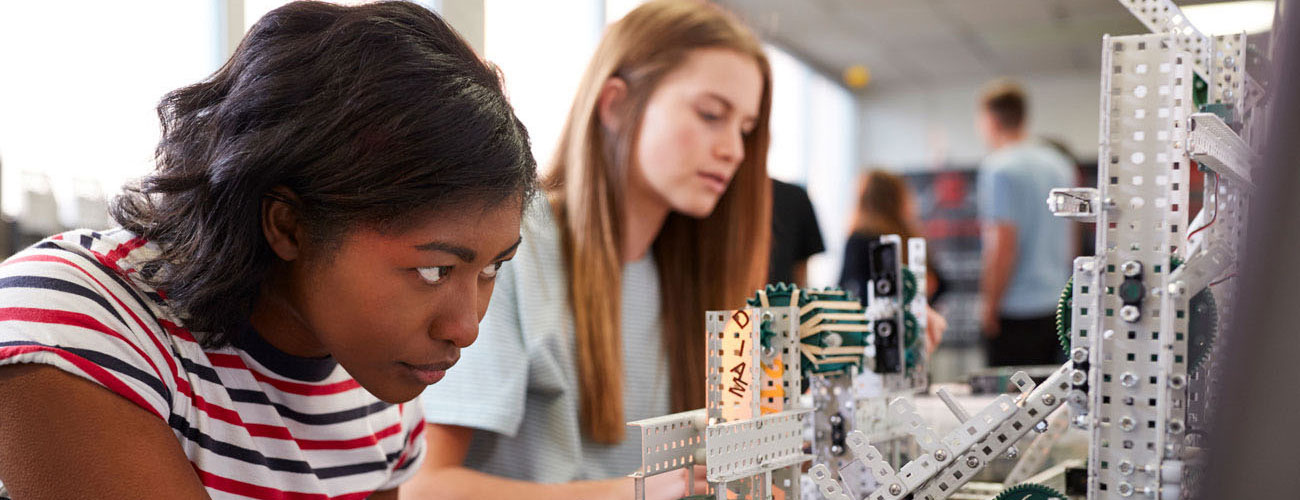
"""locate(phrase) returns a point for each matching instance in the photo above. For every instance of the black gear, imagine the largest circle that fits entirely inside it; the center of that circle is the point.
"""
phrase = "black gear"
(1030, 491)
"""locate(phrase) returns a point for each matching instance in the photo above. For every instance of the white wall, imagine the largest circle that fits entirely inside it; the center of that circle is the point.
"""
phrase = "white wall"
(916, 128)
(813, 144)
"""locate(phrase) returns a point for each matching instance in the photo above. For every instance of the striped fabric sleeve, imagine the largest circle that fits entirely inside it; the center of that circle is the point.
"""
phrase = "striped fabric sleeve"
(63, 307)
(412, 455)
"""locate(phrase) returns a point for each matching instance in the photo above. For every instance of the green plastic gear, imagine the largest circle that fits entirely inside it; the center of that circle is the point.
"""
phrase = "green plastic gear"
(1203, 322)
(1030, 491)
(779, 295)
(1064, 308)
(1202, 326)
(909, 286)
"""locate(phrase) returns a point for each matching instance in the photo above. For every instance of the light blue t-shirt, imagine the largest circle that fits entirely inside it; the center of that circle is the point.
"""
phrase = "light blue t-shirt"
(517, 385)
(1012, 186)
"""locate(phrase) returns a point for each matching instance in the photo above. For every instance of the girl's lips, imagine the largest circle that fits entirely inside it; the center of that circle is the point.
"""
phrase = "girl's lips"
(428, 374)
(716, 182)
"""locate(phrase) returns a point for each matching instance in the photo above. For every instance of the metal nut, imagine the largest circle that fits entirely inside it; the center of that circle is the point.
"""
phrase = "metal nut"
(1177, 381)
(1130, 314)
(1125, 489)
(972, 462)
(940, 455)
(1049, 399)
(1079, 354)
(1127, 423)
(1131, 269)
(1126, 468)
(1078, 377)
(1128, 379)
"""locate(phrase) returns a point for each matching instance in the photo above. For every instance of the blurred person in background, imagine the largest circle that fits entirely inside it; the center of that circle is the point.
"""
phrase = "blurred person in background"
(886, 205)
(656, 210)
(796, 237)
(1026, 249)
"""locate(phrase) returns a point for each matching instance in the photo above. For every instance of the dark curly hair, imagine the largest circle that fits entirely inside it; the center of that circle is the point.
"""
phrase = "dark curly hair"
(367, 114)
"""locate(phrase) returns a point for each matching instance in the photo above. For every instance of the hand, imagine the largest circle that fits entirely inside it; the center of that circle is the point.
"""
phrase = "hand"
(666, 486)
(935, 325)
(989, 324)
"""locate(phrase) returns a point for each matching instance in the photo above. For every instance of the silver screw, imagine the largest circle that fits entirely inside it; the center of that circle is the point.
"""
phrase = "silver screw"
(837, 450)
(1131, 269)
(1128, 379)
(1079, 398)
(767, 316)
(1127, 423)
(1012, 453)
(972, 462)
(940, 455)
(1229, 61)
(1130, 314)
(1049, 399)
(895, 489)
(1040, 427)
(1126, 468)
(884, 329)
(1079, 354)
(1125, 489)
(1177, 381)
(1078, 377)
(836, 419)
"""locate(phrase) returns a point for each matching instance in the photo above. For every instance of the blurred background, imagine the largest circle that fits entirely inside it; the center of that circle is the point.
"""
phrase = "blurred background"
(888, 84)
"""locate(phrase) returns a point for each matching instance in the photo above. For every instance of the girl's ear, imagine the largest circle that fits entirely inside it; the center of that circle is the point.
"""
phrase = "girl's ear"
(612, 96)
(280, 223)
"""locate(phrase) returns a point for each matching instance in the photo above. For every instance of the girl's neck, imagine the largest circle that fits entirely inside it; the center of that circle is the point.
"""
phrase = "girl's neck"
(643, 217)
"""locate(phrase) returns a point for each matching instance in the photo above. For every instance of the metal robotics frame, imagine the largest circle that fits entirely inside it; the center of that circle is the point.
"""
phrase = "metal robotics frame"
(1140, 325)
(753, 433)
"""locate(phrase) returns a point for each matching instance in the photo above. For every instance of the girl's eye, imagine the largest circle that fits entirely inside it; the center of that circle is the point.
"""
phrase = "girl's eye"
(490, 271)
(433, 275)
(710, 117)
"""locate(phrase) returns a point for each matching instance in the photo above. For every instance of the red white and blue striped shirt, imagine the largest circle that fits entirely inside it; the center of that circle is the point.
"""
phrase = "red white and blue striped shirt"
(255, 422)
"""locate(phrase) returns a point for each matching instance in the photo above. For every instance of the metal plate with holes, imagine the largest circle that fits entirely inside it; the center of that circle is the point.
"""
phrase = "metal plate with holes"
(1036, 407)
(669, 442)
(738, 450)
(1211, 143)
(1163, 16)
(1145, 102)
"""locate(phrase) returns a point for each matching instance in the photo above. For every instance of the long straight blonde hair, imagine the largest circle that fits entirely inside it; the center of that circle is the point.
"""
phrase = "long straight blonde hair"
(708, 263)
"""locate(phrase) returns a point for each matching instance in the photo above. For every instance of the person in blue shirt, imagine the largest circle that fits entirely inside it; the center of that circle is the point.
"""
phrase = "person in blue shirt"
(1026, 250)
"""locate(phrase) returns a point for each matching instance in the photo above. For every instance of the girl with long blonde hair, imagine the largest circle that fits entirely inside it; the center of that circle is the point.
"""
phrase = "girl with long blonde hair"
(656, 210)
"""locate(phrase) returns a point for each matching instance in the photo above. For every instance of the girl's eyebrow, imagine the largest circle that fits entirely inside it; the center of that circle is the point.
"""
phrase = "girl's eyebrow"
(465, 254)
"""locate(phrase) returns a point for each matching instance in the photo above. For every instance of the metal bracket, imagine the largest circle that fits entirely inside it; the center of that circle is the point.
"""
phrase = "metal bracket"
(1074, 203)
(1212, 143)
(742, 449)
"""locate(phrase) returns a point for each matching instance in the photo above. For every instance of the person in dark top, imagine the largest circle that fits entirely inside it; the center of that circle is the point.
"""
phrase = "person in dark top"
(885, 206)
(795, 234)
